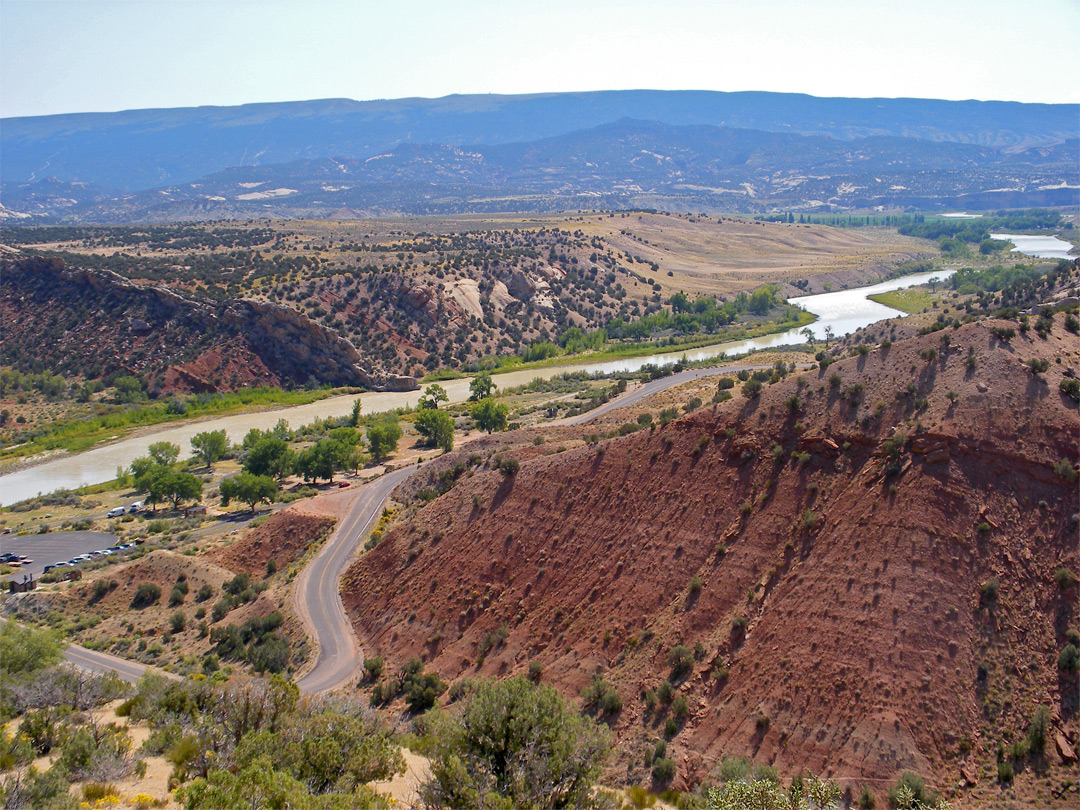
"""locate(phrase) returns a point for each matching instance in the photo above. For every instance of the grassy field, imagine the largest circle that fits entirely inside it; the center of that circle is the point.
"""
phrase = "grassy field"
(911, 300)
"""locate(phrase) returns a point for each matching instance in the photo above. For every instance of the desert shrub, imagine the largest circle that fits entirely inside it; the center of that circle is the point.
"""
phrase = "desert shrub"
(988, 591)
(101, 588)
(1005, 772)
(509, 467)
(1070, 387)
(679, 707)
(421, 688)
(146, 594)
(1037, 365)
(1003, 333)
(1064, 578)
(663, 769)
(95, 791)
(373, 668)
(1065, 469)
(667, 415)
(205, 592)
(178, 621)
(725, 383)
(1069, 658)
(665, 692)
(518, 744)
(221, 609)
(639, 797)
(601, 697)
(1037, 731)
(909, 790)
(681, 660)
(866, 799)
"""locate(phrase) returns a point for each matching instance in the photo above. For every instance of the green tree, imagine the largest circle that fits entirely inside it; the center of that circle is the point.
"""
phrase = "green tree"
(347, 435)
(356, 459)
(383, 437)
(175, 486)
(762, 300)
(481, 386)
(515, 744)
(322, 459)
(257, 787)
(248, 488)
(164, 453)
(128, 389)
(354, 415)
(489, 415)
(210, 445)
(433, 395)
(270, 456)
(25, 650)
(437, 428)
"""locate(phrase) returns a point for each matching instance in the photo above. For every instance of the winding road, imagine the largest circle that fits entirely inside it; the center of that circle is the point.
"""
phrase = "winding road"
(317, 595)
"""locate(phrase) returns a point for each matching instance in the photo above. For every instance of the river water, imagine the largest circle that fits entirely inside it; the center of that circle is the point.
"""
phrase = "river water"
(1041, 247)
(844, 311)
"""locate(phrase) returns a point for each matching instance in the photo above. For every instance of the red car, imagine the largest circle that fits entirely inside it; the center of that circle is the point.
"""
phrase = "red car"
(344, 484)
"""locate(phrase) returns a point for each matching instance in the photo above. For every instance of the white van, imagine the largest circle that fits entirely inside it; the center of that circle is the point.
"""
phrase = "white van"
(117, 512)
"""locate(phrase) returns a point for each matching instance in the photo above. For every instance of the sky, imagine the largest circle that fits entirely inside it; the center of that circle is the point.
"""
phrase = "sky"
(62, 56)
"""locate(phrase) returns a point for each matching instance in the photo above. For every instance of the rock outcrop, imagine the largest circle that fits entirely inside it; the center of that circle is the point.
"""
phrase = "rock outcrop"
(96, 322)
(830, 574)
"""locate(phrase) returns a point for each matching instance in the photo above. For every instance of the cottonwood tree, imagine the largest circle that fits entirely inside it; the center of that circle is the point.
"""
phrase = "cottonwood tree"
(433, 395)
(210, 445)
(164, 453)
(248, 488)
(383, 437)
(481, 386)
(437, 428)
(489, 415)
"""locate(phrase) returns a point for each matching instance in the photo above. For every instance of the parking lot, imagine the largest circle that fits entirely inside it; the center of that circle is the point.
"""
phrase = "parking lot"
(46, 549)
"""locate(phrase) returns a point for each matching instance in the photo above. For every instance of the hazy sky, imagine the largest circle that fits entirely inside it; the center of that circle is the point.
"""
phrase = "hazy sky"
(61, 56)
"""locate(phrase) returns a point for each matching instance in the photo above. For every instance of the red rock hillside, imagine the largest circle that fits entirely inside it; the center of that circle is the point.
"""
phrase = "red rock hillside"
(858, 606)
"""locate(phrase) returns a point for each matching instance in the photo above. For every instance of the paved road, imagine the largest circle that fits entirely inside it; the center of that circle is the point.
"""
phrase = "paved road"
(317, 595)
(93, 661)
(656, 386)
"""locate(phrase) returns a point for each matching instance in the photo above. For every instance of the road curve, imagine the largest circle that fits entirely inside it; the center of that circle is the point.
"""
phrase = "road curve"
(93, 661)
(317, 595)
(658, 385)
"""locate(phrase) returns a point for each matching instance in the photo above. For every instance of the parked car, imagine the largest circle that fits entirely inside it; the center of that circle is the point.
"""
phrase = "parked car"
(138, 506)
(344, 484)
(117, 512)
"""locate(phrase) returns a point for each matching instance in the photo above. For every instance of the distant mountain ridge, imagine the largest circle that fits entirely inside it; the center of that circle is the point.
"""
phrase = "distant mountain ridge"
(141, 149)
